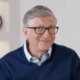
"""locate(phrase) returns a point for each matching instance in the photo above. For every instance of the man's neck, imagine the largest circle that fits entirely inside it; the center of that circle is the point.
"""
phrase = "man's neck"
(35, 53)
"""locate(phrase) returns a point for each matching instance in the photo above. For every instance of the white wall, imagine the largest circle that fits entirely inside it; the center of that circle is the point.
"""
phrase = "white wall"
(72, 24)
(12, 35)
(67, 13)
(4, 13)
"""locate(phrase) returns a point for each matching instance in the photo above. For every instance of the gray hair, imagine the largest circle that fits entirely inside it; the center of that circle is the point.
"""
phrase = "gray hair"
(36, 11)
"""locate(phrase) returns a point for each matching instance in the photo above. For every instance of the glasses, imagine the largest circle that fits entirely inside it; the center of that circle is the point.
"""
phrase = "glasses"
(41, 30)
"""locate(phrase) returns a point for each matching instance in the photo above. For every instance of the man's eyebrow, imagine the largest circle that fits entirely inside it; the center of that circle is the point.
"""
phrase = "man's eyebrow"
(45, 26)
(39, 26)
(51, 25)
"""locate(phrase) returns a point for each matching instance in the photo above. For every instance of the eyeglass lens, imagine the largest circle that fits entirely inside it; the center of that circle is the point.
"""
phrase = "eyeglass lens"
(41, 30)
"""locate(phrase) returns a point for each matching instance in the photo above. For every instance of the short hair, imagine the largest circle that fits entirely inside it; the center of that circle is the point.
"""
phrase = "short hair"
(37, 11)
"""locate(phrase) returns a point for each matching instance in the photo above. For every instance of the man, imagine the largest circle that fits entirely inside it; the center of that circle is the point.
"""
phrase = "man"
(40, 58)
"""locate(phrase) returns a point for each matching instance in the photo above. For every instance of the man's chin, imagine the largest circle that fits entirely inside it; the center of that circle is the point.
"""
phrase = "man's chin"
(44, 48)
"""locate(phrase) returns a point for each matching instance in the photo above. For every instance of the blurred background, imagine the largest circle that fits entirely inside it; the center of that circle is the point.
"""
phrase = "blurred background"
(67, 13)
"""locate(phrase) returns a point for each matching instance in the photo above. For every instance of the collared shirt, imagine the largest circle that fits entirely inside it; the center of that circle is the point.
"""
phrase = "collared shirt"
(34, 59)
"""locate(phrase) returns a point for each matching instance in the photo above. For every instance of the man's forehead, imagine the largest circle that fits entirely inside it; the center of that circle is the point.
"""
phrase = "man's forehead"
(42, 21)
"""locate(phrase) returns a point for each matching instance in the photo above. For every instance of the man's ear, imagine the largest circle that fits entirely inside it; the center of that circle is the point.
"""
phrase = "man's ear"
(25, 32)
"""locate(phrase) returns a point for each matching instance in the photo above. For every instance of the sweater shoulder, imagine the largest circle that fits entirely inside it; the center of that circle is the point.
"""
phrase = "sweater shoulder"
(62, 52)
(64, 49)
(13, 54)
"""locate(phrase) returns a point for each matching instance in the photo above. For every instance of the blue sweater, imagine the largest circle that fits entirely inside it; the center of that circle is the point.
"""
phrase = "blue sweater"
(64, 64)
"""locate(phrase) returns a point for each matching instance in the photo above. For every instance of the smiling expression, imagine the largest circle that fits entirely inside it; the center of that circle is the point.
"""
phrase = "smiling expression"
(44, 41)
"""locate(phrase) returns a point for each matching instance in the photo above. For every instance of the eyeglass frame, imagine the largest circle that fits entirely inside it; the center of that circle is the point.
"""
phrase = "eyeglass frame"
(44, 29)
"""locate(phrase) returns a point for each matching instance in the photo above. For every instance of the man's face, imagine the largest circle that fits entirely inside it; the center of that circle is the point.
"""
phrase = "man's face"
(44, 41)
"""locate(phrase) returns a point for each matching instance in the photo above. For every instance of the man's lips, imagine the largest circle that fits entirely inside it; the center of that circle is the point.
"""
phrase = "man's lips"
(45, 40)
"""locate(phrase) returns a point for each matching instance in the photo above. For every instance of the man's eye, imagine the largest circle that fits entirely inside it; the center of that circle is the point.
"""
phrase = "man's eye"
(51, 27)
(39, 28)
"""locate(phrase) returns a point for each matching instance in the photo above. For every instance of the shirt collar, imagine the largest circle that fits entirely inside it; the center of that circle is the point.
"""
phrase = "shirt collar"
(28, 56)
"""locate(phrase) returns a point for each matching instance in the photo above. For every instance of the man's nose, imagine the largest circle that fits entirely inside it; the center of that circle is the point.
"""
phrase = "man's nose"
(46, 33)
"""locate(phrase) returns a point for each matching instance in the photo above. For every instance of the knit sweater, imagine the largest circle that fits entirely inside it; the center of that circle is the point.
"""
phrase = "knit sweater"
(64, 64)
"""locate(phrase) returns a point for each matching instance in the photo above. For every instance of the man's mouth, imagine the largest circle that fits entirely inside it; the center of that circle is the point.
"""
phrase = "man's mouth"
(45, 41)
